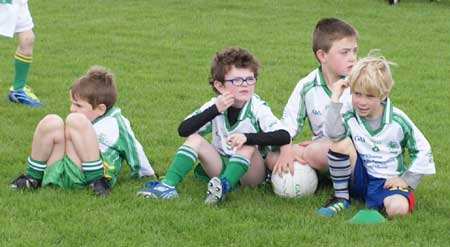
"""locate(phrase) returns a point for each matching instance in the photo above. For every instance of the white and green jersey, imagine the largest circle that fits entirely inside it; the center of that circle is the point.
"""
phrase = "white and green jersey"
(255, 117)
(118, 143)
(310, 99)
(382, 150)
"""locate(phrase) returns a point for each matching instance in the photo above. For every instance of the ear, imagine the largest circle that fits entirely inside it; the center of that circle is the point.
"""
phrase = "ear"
(100, 109)
(321, 55)
(219, 86)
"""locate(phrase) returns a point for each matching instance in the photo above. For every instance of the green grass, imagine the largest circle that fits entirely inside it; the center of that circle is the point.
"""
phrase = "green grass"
(160, 52)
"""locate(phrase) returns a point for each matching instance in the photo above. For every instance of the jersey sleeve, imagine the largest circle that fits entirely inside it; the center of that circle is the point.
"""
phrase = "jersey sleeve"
(294, 112)
(133, 151)
(266, 119)
(205, 129)
(419, 150)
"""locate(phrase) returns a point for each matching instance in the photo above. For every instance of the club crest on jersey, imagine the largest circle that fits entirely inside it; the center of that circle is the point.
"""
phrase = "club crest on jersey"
(393, 146)
(375, 149)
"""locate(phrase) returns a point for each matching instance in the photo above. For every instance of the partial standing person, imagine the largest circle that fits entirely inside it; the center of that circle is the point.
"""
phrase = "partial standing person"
(88, 148)
(366, 159)
(15, 18)
(334, 43)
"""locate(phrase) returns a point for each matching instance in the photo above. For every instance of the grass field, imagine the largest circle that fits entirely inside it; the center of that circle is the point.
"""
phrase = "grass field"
(160, 52)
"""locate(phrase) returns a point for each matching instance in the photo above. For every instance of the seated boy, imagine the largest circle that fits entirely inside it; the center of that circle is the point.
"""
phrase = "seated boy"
(240, 123)
(334, 45)
(366, 160)
(89, 147)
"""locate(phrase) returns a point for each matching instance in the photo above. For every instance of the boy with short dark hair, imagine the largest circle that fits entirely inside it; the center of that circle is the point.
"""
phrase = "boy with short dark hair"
(334, 43)
(241, 124)
(89, 147)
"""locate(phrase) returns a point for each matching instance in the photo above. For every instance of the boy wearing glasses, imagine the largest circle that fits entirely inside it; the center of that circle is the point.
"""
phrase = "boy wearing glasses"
(334, 45)
(240, 124)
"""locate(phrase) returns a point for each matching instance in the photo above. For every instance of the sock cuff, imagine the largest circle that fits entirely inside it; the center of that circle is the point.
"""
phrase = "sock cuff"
(23, 58)
(188, 152)
(92, 165)
(36, 164)
(337, 156)
(240, 159)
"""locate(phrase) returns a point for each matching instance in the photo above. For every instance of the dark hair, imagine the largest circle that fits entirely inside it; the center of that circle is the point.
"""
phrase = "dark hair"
(328, 30)
(96, 87)
(224, 60)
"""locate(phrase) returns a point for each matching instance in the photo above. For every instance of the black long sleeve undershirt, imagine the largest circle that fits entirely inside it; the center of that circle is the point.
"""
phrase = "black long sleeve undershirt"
(191, 125)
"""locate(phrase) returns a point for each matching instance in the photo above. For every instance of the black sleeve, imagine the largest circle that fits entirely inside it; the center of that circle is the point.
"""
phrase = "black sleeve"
(276, 138)
(191, 125)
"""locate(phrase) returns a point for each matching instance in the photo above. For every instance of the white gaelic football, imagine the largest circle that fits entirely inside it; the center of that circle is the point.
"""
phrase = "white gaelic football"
(302, 183)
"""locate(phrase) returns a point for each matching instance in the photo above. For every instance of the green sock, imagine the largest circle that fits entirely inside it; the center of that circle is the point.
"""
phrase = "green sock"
(35, 168)
(92, 170)
(21, 68)
(236, 168)
(182, 163)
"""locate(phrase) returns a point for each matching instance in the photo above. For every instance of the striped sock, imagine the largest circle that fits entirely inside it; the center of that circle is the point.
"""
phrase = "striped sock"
(92, 170)
(181, 165)
(340, 171)
(35, 168)
(236, 168)
(21, 68)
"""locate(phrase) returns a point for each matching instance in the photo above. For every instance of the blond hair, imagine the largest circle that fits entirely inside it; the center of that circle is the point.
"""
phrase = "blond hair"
(371, 75)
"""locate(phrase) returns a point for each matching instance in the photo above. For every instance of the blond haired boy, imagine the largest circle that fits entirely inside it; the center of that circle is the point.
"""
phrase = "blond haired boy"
(88, 148)
(334, 44)
(366, 160)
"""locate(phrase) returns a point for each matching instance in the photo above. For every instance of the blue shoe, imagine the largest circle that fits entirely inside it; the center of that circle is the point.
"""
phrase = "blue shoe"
(24, 96)
(334, 206)
(157, 189)
(217, 189)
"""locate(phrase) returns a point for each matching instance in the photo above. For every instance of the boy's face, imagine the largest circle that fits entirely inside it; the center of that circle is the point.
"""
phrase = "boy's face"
(243, 92)
(82, 106)
(341, 57)
(367, 105)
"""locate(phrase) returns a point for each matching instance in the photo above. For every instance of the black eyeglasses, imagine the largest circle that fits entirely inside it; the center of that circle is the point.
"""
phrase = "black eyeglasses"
(239, 80)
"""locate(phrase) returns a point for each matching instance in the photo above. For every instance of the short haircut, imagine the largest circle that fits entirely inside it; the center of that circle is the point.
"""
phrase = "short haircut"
(371, 75)
(328, 30)
(96, 87)
(224, 61)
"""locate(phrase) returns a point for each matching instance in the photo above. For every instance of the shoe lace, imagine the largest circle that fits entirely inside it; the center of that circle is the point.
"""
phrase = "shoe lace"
(29, 92)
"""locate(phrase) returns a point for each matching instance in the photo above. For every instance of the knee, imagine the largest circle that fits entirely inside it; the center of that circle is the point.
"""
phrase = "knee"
(50, 123)
(77, 121)
(246, 151)
(396, 205)
(26, 42)
(194, 141)
(344, 146)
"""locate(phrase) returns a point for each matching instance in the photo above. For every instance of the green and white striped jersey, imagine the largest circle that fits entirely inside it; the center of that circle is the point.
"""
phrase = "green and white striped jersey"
(255, 117)
(310, 99)
(382, 150)
(118, 143)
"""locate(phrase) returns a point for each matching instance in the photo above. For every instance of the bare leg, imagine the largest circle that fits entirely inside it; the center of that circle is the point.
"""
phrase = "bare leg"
(257, 171)
(315, 154)
(25, 42)
(81, 140)
(207, 154)
(48, 140)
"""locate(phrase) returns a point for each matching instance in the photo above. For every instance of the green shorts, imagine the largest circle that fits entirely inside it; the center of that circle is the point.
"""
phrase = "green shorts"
(200, 173)
(64, 173)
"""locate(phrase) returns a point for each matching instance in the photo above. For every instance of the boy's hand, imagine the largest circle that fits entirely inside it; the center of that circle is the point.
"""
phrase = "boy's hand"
(285, 162)
(338, 89)
(236, 141)
(224, 101)
(395, 182)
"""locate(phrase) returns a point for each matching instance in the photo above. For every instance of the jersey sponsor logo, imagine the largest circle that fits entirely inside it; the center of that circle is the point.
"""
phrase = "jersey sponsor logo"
(360, 139)
(375, 148)
(393, 146)
(316, 112)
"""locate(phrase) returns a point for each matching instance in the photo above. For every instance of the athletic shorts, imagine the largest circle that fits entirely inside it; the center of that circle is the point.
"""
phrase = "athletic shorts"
(15, 17)
(370, 189)
(200, 173)
(64, 173)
